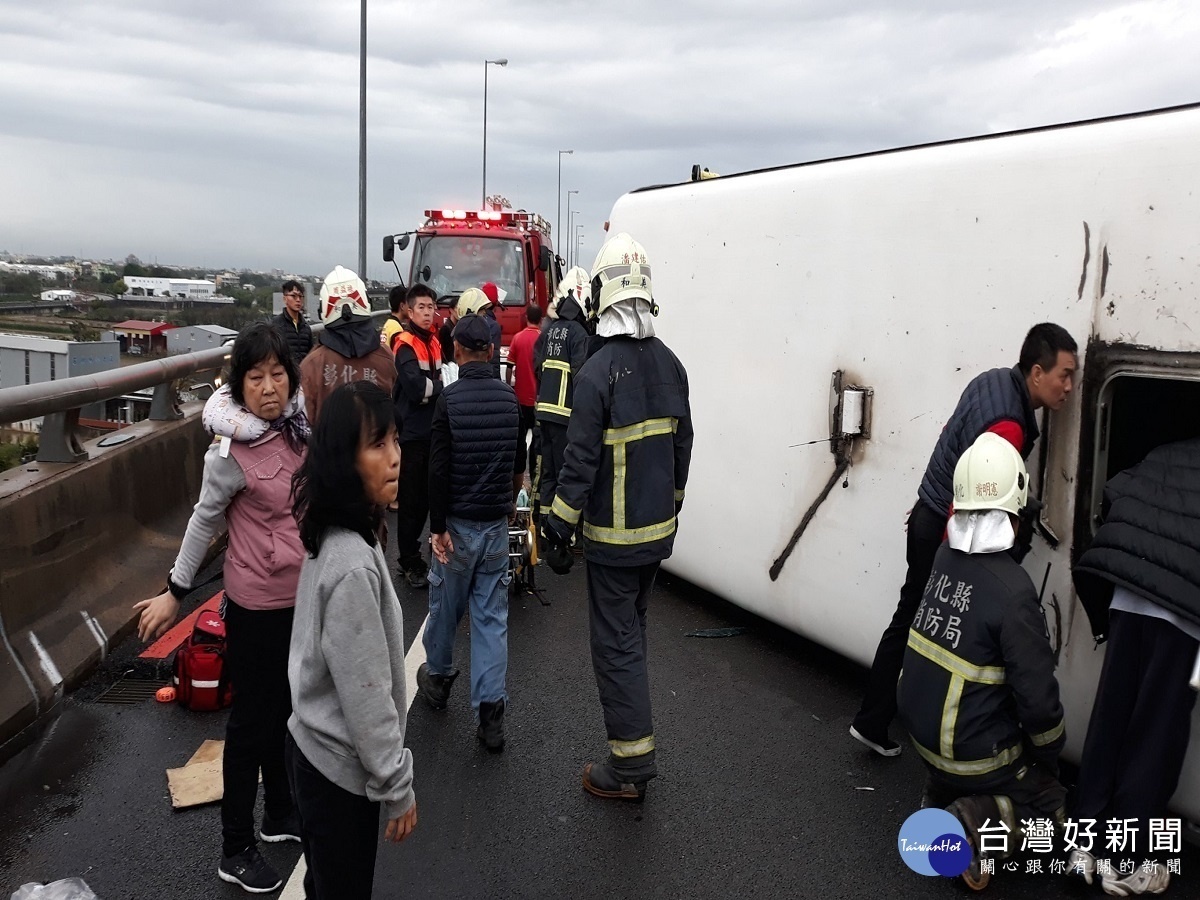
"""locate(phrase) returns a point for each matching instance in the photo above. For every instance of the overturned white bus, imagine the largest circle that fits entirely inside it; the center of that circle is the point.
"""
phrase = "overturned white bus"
(830, 314)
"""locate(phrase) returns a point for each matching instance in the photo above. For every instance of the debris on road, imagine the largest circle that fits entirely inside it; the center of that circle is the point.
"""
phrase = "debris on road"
(717, 632)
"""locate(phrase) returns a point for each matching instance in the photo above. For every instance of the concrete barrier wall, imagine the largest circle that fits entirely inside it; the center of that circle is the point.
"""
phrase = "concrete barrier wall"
(78, 546)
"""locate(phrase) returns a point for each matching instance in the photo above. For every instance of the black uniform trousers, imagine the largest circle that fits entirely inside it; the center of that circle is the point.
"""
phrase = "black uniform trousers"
(617, 600)
(526, 423)
(412, 496)
(554, 451)
(256, 660)
(926, 528)
(339, 832)
(1138, 735)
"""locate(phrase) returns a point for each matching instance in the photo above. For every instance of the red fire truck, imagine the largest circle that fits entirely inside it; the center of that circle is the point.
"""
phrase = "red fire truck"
(458, 249)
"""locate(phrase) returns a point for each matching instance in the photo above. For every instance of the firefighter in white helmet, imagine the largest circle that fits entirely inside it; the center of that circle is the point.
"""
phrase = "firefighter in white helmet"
(349, 350)
(558, 355)
(978, 694)
(629, 445)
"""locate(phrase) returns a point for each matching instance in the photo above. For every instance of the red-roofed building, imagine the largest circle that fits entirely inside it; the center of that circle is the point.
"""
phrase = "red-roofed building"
(148, 337)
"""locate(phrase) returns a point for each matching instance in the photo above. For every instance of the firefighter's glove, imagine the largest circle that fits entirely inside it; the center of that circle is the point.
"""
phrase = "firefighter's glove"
(1026, 521)
(557, 536)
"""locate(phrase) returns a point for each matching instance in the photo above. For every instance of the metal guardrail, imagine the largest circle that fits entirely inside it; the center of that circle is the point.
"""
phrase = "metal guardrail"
(59, 401)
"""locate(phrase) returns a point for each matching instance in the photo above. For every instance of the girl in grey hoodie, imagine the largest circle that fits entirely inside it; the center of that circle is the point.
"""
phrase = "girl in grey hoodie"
(345, 750)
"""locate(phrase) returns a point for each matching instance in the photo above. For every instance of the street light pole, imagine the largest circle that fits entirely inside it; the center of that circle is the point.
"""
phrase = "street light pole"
(571, 231)
(486, 63)
(578, 241)
(558, 221)
(569, 193)
(362, 145)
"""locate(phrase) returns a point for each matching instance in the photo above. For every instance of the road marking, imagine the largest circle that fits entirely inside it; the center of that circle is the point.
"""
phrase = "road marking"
(294, 890)
(48, 665)
(37, 701)
(97, 632)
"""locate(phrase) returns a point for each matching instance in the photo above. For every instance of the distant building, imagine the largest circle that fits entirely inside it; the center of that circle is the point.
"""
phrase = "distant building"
(58, 296)
(176, 288)
(46, 273)
(28, 359)
(140, 337)
(197, 337)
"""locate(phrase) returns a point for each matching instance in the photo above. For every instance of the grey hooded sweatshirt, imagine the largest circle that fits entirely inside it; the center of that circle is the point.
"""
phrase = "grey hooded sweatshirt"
(346, 669)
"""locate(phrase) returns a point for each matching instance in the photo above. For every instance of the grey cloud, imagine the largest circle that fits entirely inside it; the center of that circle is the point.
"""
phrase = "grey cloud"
(239, 119)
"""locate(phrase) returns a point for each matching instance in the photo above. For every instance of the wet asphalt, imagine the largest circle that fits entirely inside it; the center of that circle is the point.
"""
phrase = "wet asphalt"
(761, 791)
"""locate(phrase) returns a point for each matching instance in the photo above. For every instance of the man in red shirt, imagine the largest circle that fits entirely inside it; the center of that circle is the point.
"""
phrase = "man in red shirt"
(520, 376)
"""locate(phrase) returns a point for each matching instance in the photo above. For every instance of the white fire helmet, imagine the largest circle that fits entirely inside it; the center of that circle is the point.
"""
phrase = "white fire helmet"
(621, 271)
(577, 284)
(343, 290)
(990, 475)
(472, 300)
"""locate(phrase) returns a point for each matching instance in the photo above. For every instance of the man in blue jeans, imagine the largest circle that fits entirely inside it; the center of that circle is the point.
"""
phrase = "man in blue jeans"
(471, 454)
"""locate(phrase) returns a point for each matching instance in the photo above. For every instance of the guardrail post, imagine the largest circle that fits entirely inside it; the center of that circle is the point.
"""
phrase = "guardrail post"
(164, 407)
(59, 439)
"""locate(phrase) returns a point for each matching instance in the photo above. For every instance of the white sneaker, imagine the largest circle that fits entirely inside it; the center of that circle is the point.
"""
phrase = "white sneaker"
(1154, 881)
(1082, 864)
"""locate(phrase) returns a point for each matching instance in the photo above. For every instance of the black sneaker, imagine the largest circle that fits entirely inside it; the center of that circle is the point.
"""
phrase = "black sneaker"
(275, 830)
(414, 572)
(250, 871)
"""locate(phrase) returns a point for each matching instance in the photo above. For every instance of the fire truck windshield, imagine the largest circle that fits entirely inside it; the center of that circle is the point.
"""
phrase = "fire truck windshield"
(451, 263)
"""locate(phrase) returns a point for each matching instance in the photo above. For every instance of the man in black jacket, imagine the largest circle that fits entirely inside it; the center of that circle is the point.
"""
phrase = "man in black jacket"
(978, 693)
(291, 322)
(418, 385)
(1001, 401)
(629, 448)
(1139, 582)
(473, 445)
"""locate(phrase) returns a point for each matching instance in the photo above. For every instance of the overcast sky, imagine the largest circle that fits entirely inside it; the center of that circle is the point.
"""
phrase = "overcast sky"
(222, 133)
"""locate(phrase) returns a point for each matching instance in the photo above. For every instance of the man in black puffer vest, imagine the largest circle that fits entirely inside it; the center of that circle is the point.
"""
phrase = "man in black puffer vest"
(471, 454)
(1002, 401)
(1139, 582)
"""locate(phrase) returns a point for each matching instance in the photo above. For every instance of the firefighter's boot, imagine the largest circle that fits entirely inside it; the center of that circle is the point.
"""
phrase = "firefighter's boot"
(601, 780)
(973, 812)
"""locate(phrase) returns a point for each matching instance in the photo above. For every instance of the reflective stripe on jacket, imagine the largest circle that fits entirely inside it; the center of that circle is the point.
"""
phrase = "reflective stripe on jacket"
(629, 446)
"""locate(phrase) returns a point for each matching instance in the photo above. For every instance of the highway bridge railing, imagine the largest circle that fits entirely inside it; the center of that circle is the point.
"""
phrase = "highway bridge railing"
(60, 401)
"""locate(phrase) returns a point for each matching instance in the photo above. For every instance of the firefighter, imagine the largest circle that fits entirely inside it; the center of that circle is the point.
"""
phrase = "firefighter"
(478, 302)
(629, 445)
(978, 694)
(558, 355)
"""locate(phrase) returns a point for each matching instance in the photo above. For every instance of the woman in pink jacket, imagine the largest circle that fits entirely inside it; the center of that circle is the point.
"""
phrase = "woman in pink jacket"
(258, 419)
